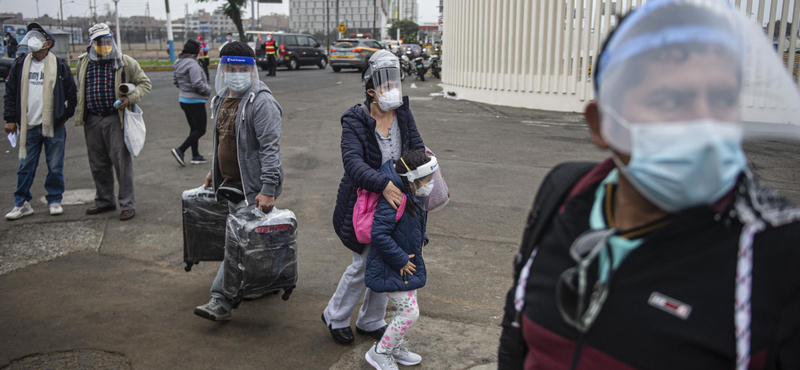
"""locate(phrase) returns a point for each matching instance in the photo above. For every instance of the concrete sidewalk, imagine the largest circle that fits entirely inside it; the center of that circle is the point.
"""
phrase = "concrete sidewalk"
(91, 288)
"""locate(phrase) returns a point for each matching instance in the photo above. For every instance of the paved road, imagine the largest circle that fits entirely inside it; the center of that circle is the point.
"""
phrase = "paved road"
(121, 288)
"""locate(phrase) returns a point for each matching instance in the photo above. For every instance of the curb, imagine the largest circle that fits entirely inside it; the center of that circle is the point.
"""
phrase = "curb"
(154, 69)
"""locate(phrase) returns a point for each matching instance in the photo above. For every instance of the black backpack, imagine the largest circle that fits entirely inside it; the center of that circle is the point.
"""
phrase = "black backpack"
(554, 189)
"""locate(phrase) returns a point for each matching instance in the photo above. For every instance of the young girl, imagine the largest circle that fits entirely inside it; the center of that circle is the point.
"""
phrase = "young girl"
(394, 264)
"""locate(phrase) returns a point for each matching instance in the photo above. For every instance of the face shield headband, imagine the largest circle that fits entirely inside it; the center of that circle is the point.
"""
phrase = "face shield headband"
(422, 171)
(621, 47)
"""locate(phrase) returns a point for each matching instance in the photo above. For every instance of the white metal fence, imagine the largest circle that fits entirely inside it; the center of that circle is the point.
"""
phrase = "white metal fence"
(540, 53)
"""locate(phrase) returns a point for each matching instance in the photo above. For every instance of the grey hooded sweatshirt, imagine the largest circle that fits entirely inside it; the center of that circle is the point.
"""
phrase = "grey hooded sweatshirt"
(258, 142)
(189, 77)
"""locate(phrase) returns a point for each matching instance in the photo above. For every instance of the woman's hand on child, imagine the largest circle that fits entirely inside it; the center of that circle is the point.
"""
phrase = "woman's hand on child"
(393, 195)
(409, 268)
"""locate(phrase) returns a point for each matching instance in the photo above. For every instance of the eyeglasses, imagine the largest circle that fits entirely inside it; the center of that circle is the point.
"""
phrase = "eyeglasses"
(572, 284)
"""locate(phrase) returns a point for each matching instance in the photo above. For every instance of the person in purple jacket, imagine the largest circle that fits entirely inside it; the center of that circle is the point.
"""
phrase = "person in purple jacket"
(373, 133)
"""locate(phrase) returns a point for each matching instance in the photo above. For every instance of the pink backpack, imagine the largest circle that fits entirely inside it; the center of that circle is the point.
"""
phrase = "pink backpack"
(364, 214)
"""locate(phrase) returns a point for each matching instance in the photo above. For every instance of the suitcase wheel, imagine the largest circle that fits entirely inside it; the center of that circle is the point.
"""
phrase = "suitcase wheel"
(188, 266)
(287, 293)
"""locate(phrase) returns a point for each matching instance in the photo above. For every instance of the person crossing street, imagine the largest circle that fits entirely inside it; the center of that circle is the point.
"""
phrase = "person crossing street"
(203, 56)
(271, 51)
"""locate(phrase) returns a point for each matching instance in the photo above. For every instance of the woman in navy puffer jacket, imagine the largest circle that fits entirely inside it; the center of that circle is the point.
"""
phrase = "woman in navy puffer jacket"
(371, 136)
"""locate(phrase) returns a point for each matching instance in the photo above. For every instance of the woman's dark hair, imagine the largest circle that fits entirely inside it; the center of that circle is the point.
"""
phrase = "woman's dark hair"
(367, 86)
(412, 159)
(237, 49)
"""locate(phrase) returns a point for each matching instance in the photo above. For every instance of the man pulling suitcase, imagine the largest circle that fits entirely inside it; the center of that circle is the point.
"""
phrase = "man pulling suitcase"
(243, 105)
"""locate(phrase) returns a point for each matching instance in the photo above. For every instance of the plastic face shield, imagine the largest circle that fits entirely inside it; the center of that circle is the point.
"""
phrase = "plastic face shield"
(422, 173)
(384, 71)
(694, 60)
(235, 75)
(32, 34)
(104, 48)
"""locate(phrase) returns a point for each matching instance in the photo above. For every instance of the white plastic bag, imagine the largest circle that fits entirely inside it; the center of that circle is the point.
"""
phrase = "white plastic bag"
(135, 131)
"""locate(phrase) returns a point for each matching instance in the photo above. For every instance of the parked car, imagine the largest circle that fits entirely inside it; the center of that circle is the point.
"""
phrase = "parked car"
(352, 53)
(294, 49)
(5, 66)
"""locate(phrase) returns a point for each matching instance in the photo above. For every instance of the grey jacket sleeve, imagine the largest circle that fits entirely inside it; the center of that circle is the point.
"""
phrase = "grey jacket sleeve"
(198, 80)
(267, 126)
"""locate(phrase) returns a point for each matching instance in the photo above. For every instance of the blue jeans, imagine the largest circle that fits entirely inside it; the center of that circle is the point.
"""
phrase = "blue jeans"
(54, 154)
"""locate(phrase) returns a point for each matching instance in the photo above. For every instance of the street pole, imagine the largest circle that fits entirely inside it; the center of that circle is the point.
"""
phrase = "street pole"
(338, 20)
(186, 25)
(119, 36)
(252, 15)
(328, 23)
(170, 43)
(375, 19)
(61, 5)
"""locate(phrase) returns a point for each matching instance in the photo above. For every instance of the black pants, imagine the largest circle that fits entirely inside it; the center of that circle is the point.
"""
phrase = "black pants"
(272, 65)
(196, 115)
(204, 63)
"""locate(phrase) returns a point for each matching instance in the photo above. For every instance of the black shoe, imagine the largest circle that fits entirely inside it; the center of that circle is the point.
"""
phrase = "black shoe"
(198, 160)
(375, 334)
(178, 154)
(343, 335)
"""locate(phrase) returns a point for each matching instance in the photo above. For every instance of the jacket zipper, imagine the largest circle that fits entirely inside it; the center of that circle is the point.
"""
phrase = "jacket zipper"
(239, 160)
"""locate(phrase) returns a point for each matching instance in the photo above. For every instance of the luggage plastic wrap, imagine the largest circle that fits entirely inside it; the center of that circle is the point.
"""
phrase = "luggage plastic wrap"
(260, 253)
(204, 229)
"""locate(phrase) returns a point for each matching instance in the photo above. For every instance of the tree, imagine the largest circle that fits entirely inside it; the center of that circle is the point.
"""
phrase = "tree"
(233, 9)
(408, 31)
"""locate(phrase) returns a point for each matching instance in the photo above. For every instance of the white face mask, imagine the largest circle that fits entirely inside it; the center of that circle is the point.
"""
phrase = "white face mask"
(390, 100)
(238, 81)
(229, 39)
(425, 190)
(35, 44)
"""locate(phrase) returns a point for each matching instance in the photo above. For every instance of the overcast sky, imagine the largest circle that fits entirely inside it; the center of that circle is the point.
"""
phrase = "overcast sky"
(429, 12)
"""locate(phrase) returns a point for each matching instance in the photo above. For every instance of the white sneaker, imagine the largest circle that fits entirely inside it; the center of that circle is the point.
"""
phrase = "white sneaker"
(405, 357)
(380, 361)
(20, 212)
(55, 209)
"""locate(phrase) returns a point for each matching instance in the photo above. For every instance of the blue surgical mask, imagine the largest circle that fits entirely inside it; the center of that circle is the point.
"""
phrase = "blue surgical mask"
(238, 81)
(679, 165)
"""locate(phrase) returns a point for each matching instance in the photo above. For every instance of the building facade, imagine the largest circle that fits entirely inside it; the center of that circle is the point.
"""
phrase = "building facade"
(310, 15)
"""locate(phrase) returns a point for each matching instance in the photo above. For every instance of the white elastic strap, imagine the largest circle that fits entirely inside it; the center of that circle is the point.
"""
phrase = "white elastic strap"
(743, 316)
(519, 292)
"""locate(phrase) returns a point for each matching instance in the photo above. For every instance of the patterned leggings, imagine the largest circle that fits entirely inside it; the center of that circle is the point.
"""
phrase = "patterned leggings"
(407, 314)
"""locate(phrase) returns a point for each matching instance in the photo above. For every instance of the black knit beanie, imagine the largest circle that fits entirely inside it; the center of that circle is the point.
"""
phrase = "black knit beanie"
(191, 47)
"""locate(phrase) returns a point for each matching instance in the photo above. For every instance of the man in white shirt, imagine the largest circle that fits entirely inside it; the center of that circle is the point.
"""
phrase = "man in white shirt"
(40, 97)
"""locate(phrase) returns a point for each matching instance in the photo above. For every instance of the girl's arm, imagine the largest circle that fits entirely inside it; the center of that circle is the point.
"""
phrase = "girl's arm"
(382, 228)
(365, 176)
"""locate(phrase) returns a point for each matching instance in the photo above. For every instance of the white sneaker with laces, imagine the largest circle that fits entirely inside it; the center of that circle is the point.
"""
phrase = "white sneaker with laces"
(55, 209)
(405, 357)
(20, 212)
(380, 361)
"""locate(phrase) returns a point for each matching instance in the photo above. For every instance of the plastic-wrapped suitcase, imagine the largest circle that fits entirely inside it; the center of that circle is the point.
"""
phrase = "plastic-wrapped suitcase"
(204, 221)
(260, 253)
